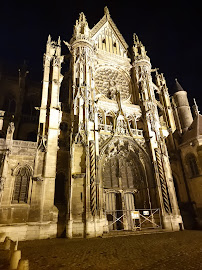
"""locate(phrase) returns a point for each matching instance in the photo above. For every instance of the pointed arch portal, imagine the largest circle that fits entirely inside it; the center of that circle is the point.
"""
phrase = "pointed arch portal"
(127, 180)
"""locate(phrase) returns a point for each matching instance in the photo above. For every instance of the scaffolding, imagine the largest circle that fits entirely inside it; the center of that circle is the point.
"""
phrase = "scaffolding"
(133, 220)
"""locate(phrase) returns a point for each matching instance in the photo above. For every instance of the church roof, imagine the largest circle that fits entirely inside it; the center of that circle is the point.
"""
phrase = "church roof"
(194, 131)
(177, 87)
(107, 18)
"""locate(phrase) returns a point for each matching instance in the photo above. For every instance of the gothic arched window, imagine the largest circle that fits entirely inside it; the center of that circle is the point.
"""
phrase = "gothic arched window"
(21, 188)
(193, 167)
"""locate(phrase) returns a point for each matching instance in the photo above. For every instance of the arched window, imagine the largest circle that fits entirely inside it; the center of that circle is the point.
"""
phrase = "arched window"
(22, 179)
(193, 168)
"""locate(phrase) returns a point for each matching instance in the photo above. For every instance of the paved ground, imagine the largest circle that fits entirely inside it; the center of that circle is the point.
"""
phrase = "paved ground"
(162, 251)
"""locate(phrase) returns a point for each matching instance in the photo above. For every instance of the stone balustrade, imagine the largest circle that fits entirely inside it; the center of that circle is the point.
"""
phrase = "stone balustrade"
(109, 128)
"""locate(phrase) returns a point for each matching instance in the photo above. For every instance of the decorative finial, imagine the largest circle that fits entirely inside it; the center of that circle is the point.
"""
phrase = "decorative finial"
(82, 18)
(106, 11)
(16, 245)
(195, 108)
(135, 39)
(49, 38)
(59, 41)
(81, 27)
(67, 44)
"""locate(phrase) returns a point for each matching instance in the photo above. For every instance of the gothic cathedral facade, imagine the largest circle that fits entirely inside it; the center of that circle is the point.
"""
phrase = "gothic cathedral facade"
(101, 153)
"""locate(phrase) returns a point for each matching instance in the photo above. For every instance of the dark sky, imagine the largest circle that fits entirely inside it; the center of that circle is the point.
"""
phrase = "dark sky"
(172, 36)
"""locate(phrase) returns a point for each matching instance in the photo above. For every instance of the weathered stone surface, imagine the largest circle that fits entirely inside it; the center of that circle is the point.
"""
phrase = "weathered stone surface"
(105, 133)
(178, 250)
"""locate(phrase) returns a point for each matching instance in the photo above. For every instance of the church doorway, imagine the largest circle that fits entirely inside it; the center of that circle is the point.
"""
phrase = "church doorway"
(119, 206)
(127, 184)
(114, 210)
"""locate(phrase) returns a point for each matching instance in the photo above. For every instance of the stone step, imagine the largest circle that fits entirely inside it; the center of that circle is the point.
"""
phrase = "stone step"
(138, 232)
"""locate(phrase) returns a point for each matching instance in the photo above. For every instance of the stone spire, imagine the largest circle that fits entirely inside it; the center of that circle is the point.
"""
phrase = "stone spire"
(138, 49)
(165, 100)
(49, 38)
(81, 29)
(177, 86)
(135, 39)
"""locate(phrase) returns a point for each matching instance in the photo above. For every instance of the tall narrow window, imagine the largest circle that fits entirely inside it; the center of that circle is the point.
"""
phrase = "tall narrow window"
(20, 194)
(193, 168)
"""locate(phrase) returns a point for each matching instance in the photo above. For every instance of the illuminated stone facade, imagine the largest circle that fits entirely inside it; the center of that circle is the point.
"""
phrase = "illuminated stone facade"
(101, 149)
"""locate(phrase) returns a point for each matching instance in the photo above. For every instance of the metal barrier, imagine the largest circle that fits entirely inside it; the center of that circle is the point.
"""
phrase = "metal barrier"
(133, 220)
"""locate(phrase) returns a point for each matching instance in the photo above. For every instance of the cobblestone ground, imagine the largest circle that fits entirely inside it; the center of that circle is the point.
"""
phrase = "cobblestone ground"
(162, 251)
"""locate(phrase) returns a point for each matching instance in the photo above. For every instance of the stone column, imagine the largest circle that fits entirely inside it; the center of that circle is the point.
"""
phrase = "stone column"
(49, 127)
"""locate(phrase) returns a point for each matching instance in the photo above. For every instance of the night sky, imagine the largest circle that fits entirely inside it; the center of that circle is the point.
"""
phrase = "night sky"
(172, 36)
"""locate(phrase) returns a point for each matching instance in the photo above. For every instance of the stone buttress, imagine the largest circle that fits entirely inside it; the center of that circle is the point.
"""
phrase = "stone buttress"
(156, 136)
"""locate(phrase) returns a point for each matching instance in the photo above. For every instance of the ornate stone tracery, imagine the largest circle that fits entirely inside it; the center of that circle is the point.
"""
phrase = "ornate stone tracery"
(127, 168)
(109, 80)
(113, 144)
